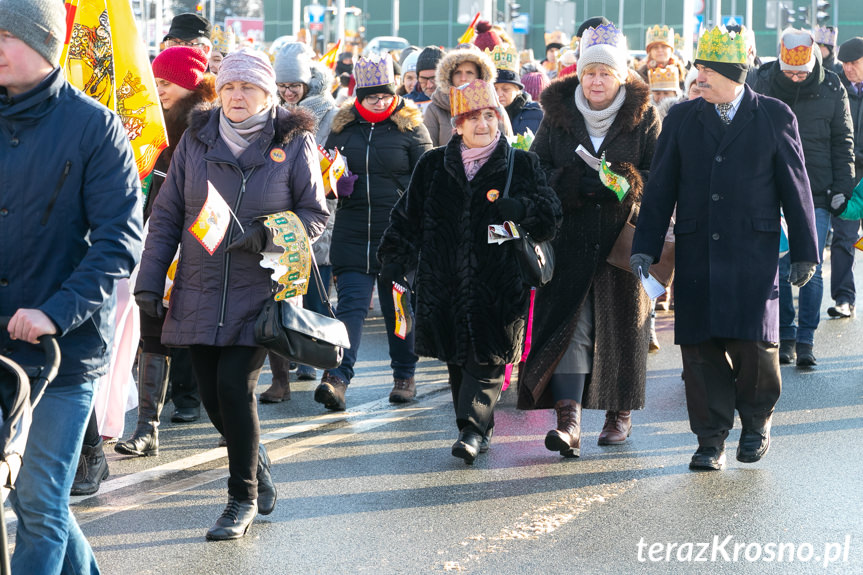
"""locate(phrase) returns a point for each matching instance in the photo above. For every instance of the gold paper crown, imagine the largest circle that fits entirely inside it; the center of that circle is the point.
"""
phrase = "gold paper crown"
(224, 42)
(663, 79)
(825, 35)
(375, 70)
(505, 57)
(660, 35)
(679, 43)
(556, 37)
(718, 45)
(798, 56)
(471, 97)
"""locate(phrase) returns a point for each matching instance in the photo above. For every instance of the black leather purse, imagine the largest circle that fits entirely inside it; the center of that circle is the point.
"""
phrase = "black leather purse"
(536, 259)
(301, 335)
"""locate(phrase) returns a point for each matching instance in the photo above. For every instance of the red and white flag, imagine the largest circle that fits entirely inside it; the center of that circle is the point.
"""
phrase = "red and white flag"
(211, 225)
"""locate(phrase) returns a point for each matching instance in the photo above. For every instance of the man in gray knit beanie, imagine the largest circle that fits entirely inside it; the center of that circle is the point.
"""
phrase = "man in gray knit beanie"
(41, 24)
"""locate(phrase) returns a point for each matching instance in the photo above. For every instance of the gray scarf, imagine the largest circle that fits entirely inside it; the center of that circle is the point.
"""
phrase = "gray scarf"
(240, 135)
(598, 121)
(318, 105)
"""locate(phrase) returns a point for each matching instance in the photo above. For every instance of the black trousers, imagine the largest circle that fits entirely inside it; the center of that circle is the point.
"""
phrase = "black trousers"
(722, 375)
(475, 391)
(226, 381)
(183, 387)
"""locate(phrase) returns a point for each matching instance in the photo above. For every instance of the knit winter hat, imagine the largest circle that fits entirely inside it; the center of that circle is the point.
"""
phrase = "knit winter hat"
(534, 84)
(293, 63)
(410, 63)
(796, 51)
(181, 65)
(247, 65)
(41, 24)
(603, 45)
(486, 38)
(429, 59)
(850, 50)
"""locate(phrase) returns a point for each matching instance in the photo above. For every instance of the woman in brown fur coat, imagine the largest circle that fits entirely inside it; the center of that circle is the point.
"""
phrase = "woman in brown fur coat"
(590, 326)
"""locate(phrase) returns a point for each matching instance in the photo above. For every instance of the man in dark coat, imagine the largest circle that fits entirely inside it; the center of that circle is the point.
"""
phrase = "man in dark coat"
(70, 229)
(729, 161)
(819, 101)
(844, 231)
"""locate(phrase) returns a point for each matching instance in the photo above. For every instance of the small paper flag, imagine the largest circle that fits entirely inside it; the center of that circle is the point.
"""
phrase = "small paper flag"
(211, 225)
(614, 182)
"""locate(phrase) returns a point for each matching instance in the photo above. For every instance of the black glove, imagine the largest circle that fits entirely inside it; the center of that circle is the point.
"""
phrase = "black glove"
(254, 239)
(394, 272)
(591, 186)
(151, 304)
(838, 203)
(801, 273)
(510, 210)
(640, 264)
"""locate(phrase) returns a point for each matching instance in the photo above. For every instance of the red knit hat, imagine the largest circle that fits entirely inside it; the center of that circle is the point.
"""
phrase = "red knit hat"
(181, 65)
(486, 38)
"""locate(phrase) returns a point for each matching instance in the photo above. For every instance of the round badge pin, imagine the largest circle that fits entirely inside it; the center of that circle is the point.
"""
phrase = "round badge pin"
(492, 195)
(277, 155)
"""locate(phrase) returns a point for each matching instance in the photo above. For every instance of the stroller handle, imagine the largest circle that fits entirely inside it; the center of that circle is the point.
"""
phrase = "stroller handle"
(52, 360)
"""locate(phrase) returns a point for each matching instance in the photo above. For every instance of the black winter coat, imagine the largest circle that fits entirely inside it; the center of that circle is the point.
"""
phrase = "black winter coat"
(826, 130)
(383, 156)
(855, 101)
(589, 230)
(524, 114)
(469, 293)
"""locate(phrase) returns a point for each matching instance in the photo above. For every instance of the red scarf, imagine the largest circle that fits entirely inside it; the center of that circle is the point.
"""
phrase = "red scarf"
(375, 117)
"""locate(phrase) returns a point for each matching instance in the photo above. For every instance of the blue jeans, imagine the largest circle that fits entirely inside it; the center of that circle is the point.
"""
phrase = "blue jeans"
(312, 299)
(48, 540)
(842, 252)
(355, 292)
(809, 297)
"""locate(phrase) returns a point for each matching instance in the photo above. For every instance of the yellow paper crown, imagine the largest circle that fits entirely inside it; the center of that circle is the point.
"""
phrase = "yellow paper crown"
(471, 97)
(224, 42)
(661, 35)
(679, 43)
(505, 57)
(556, 37)
(662, 79)
(718, 45)
(798, 56)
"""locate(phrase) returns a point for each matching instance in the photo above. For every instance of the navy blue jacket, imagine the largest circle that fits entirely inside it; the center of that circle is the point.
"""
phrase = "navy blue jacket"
(70, 221)
(729, 185)
(524, 114)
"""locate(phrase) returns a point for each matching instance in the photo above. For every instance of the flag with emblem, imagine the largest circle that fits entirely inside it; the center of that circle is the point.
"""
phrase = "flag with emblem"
(211, 225)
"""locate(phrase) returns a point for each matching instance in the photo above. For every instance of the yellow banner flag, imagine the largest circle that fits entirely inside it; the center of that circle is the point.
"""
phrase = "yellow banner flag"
(329, 59)
(117, 74)
(467, 37)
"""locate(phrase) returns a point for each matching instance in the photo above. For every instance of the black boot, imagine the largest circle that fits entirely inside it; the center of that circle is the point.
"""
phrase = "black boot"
(152, 385)
(234, 521)
(566, 438)
(266, 488)
(92, 469)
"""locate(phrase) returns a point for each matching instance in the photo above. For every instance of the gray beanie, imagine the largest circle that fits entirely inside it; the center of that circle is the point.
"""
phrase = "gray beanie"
(246, 65)
(41, 24)
(429, 58)
(293, 64)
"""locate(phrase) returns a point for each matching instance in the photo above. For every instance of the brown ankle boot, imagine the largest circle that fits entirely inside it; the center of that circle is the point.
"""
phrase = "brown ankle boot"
(618, 426)
(279, 391)
(567, 437)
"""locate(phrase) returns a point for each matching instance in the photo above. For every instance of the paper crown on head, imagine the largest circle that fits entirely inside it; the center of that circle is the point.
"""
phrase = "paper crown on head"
(374, 70)
(664, 79)
(660, 35)
(505, 57)
(825, 35)
(556, 37)
(607, 34)
(223, 41)
(719, 45)
(471, 97)
(679, 42)
(796, 50)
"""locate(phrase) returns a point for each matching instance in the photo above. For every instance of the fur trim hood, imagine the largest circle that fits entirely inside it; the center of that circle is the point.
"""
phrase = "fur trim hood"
(289, 124)
(558, 102)
(407, 116)
(448, 65)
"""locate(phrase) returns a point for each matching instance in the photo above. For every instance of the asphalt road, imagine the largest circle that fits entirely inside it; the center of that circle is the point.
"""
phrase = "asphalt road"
(375, 489)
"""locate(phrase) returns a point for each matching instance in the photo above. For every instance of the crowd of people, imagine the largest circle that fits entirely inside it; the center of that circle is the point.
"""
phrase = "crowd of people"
(744, 167)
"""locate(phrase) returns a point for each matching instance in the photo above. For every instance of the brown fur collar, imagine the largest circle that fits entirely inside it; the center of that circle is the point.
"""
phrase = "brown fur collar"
(289, 124)
(558, 102)
(406, 117)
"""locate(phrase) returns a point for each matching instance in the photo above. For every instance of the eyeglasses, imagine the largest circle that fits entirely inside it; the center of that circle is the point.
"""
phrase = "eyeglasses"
(425, 79)
(795, 75)
(296, 88)
(171, 42)
(372, 100)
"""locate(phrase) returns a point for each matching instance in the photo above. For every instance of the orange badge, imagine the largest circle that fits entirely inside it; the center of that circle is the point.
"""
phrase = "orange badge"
(492, 195)
(277, 155)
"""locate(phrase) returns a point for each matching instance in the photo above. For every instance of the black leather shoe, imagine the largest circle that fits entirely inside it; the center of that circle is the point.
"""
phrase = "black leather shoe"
(186, 414)
(753, 444)
(266, 488)
(467, 446)
(486, 440)
(805, 355)
(708, 459)
(786, 352)
(235, 520)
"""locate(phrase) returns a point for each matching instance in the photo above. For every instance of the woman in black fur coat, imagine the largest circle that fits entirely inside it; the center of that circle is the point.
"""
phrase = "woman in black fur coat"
(471, 301)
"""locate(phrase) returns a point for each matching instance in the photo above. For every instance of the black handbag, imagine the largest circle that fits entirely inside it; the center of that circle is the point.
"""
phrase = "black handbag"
(536, 259)
(301, 335)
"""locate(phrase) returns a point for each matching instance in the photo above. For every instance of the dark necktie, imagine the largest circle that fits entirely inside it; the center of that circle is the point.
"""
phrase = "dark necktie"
(858, 86)
(723, 110)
